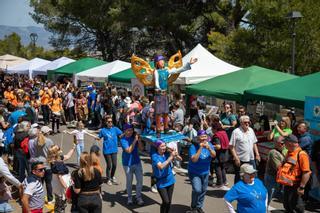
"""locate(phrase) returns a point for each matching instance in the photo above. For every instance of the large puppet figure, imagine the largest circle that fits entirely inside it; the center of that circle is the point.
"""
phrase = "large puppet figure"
(160, 78)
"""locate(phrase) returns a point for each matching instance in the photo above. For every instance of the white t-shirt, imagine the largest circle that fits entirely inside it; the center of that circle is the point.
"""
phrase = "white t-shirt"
(79, 135)
(36, 192)
(243, 143)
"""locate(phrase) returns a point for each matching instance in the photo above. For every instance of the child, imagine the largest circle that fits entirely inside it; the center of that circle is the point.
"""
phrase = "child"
(61, 178)
(5, 196)
(79, 133)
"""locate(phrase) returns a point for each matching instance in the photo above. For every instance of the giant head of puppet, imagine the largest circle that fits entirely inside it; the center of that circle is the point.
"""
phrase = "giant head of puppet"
(159, 62)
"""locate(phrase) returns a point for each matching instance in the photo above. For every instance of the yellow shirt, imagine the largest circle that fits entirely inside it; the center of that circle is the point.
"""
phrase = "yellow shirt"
(45, 97)
(56, 105)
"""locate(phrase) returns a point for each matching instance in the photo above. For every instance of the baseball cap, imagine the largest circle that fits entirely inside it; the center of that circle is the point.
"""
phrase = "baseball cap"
(291, 138)
(247, 169)
(45, 129)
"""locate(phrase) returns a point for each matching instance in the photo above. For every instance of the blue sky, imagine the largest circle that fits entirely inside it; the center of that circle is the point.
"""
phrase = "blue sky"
(16, 13)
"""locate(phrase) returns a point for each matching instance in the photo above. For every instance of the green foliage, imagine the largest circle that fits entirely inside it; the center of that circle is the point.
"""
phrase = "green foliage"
(264, 38)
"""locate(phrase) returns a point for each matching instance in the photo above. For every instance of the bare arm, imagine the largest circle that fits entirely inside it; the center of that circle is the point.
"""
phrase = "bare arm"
(132, 146)
(69, 154)
(166, 163)
(229, 206)
(282, 133)
(234, 154)
(62, 181)
(256, 151)
(25, 202)
(195, 157)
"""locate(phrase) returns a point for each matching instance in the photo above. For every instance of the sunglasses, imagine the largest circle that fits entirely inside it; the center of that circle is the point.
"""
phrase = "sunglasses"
(246, 122)
(40, 170)
(109, 121)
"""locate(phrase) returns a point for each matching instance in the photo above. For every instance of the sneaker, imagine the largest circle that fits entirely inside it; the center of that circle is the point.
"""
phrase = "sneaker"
(109, 183)
(226, 184)
(154, 189)
(129, 203)
(140, 202)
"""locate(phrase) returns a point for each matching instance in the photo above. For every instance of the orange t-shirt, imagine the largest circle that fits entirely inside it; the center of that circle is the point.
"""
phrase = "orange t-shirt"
(56, 105)
(12, 99)
(44, 97)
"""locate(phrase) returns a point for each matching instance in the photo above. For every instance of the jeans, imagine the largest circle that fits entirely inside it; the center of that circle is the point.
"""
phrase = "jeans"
(271, 185)
(45, 113)
(70, 113)
(292, 202)
(48, 179)
(237, 170)
(23, 165)
(111, 161)
(137, 170)
(166, 197)
(79, 149)
(220, 171)
(199, 188)
(89, 203)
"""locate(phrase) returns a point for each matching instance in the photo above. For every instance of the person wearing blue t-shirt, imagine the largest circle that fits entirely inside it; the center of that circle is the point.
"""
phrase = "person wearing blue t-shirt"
(110, 136)
(162, 170)
(131, 162)
(250, 193)
(201, 154)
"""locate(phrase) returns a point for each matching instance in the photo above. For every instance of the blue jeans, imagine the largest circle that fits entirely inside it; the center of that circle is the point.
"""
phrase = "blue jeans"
(80, 148)
(135, 169)
(199, 188)
(271, 185)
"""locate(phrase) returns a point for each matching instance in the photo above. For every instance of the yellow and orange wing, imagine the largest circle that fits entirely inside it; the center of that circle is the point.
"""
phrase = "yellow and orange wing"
(142, 70)
(175, 61)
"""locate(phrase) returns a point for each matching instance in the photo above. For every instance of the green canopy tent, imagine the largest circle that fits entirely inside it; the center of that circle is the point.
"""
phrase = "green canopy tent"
(76, 67)
(289, 93)
(231, 86)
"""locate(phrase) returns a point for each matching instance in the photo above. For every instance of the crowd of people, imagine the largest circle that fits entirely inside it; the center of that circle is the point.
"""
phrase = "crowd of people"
(215, 141)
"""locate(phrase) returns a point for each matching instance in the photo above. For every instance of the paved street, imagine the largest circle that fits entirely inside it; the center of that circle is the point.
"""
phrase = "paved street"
(114, 197)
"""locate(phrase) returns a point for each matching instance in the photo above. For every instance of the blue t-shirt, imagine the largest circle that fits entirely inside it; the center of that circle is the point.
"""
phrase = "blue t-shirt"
(92, 97)
(110, 139)
(202, 166)
(251, 198)
(227, 119)
(129, 159)
(164, 176)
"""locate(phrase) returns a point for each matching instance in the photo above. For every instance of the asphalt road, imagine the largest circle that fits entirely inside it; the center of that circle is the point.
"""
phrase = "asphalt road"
(115, 199)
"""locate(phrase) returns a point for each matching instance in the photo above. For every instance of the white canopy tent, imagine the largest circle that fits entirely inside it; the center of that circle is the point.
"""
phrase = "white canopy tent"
(28, 67)
(10, 60)
(207, 66)
(52, 65)
(101, 73)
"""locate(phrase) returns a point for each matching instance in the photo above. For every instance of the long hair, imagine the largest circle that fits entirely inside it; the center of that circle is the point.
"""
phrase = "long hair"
(41, 139)
(86, 169)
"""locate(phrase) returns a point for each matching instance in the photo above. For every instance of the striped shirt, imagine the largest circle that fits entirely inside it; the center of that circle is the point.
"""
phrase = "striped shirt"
(33, 187)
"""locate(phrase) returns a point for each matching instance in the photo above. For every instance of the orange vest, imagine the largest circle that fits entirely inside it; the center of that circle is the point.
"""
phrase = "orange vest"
(290, 173)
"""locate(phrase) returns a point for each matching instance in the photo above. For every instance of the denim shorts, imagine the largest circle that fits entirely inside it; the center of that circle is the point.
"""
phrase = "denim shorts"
(5, 207)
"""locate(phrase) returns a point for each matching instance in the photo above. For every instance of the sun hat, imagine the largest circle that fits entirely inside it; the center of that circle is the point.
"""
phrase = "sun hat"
(45, 129)
(247, 169)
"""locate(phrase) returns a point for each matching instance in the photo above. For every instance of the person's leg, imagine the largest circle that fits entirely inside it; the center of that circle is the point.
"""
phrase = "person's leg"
(114, 164)
(48, 180)
(139, 178)
(223, 172)
(78, 149)
(269, 182)
(170, 193)
(83, 204)
(218, 172)
(300, 205)
(165, 199)
(108, 168)
(204, 186)
(58, 123)
(196, 189)
(53, 121)
(47, 113)
(96, 204)
(236, 173)
(129, 176)
(288, 199)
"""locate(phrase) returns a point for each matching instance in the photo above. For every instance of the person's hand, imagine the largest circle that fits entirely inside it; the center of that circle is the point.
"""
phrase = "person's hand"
(202, 145)
(258, 158)
(64, 131)
(193, 60)
(20, 190)
(136, 137)
(300, 191)
(237, 161)
(275, 122)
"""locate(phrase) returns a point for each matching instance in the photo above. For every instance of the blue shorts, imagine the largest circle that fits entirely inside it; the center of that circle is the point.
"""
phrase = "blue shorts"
(5, 207)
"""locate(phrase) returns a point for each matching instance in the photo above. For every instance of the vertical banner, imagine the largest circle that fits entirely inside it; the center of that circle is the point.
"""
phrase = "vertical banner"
(137, 87)
(312, 116)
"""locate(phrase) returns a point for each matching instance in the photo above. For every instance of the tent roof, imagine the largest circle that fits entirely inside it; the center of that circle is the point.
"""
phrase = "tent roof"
(10, 60)
(55, 64)
(28, 67)
(290, 93)
(79, 66)
(207, 66)
(125, 75)
(232, 86)
(103, 71)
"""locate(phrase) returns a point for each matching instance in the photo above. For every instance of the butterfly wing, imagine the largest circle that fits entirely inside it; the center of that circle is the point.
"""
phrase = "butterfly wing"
(142, 70)
(175, 61)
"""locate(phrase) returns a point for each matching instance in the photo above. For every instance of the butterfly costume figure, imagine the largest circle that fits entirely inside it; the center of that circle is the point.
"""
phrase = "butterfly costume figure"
(160, 78)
